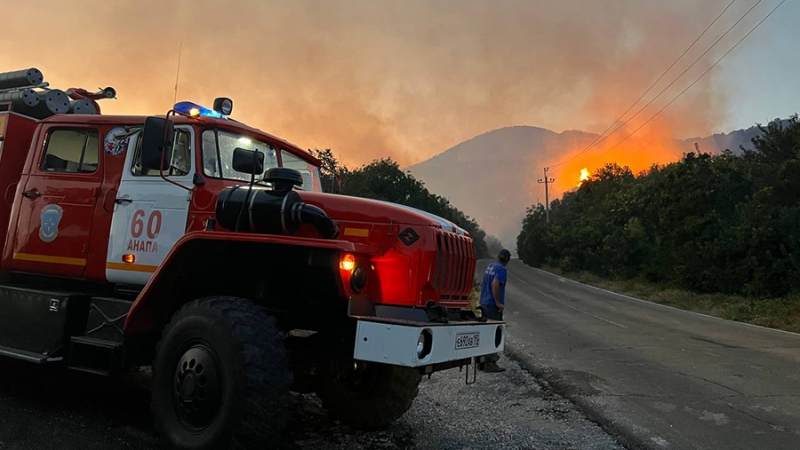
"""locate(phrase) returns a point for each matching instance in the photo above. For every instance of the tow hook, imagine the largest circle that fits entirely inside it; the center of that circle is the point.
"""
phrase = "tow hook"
(473, 364)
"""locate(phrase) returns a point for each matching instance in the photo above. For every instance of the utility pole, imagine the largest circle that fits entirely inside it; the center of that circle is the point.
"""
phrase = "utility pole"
(546, 182)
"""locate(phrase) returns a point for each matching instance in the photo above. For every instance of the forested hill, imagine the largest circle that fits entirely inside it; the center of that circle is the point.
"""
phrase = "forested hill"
(725, 223)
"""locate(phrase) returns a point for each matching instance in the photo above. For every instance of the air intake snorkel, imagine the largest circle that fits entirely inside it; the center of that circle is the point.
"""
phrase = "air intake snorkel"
(279, 210)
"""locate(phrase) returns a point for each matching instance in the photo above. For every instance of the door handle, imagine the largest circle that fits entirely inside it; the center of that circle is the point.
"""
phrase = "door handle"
(31, 194)
(120, 201)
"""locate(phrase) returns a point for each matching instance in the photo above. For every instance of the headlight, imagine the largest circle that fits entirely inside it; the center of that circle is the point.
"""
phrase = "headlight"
(358, 278)
(424, 344)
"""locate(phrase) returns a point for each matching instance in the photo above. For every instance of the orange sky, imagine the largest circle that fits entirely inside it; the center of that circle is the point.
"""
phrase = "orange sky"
(373, 78)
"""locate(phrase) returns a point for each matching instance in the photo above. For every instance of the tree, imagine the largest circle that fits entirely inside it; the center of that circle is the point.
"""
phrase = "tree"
(330, 168)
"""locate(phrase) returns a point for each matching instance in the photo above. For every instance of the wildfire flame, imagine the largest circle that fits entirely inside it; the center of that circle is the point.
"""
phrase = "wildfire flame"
(584, 175)
(653, 144)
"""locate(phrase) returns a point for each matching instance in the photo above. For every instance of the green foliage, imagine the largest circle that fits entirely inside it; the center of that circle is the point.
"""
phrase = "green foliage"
(330, 168)
(384, 180)
(708, 223)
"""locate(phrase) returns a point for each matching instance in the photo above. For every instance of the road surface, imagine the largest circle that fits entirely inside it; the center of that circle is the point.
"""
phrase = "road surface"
(655, 376)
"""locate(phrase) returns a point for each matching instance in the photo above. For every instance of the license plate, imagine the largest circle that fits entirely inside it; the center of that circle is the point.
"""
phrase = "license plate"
(468, 340)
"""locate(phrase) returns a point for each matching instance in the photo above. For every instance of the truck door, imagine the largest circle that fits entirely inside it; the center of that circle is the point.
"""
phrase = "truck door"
(150, 213)
(55, 217)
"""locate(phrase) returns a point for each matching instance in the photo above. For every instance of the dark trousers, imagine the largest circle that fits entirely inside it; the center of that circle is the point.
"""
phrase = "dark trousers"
(492, 312)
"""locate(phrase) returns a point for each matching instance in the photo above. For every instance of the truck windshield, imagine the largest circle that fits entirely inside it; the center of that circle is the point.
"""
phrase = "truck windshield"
(310, 172)
(218, 147)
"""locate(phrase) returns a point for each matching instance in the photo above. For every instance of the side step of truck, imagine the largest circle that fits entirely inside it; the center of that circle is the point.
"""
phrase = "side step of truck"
(100, 349)
(107, 318)
(98, 356)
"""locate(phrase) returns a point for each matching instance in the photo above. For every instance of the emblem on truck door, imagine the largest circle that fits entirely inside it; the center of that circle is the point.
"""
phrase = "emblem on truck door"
(51, 216)
(116, 141)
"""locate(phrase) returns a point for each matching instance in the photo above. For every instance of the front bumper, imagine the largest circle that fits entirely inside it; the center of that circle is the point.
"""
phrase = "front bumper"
(395, 342)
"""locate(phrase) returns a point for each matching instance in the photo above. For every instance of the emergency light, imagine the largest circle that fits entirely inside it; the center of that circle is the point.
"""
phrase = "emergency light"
(195, 110)
(223, 107)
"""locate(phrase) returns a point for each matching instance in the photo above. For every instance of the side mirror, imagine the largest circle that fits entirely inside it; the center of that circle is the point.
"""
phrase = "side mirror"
(250, 162)
(223, 106)
(154, 144)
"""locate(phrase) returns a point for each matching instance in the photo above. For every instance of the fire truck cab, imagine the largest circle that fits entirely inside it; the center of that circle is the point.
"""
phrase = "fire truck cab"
(206, 249)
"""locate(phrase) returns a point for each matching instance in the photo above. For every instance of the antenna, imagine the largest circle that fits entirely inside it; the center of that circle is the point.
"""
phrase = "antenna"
(178, 75)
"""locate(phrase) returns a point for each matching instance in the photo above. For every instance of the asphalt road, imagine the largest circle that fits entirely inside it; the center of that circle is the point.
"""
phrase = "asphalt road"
(654, 376)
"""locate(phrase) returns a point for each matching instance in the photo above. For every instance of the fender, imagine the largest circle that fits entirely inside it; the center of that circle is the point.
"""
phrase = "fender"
(156, 303)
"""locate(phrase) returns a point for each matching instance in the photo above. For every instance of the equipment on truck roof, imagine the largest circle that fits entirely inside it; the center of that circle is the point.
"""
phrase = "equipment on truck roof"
(25, 92)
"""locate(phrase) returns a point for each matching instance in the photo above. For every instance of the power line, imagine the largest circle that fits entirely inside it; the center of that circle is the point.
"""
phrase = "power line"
(673, 81)
(596, 140)
(693, 82)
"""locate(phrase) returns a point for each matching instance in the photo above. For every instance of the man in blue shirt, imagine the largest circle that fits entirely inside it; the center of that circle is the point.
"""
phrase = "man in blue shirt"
(493, 298)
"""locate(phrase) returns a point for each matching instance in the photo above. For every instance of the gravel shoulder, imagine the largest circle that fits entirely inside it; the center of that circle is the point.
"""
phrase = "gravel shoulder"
(47, 408)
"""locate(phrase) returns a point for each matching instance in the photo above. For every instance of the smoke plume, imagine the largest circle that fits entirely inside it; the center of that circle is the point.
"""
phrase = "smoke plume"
(372, 78)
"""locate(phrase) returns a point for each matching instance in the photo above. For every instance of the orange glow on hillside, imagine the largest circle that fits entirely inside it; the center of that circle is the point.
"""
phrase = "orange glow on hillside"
(651, 145)
(584, 176)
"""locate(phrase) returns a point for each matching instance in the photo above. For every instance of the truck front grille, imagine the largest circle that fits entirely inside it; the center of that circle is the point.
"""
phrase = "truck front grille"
(455, 266)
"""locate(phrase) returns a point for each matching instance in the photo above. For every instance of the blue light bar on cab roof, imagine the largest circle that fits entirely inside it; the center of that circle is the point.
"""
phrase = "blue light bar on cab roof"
(194, 110)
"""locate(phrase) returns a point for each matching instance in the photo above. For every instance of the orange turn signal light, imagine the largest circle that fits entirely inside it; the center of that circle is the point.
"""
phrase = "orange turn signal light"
(348, 262)
(129, 258)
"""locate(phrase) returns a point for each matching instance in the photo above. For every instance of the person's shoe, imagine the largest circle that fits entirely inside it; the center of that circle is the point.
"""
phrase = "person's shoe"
(492, 368)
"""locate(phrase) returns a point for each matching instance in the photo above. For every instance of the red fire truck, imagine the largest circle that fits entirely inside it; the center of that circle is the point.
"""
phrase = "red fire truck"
(205, 249)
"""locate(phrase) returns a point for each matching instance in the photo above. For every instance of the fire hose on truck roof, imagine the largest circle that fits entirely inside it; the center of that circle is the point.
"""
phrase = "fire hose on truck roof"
(29, 95)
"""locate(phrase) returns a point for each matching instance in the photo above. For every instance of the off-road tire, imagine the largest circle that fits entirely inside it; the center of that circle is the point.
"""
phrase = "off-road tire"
(390, 394)
(248, 351)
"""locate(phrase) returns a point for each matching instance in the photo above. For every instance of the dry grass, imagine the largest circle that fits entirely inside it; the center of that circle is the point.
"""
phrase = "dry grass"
(781, 313)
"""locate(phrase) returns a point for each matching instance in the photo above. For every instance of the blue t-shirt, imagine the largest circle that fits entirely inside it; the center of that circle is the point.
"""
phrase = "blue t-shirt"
(495, 271)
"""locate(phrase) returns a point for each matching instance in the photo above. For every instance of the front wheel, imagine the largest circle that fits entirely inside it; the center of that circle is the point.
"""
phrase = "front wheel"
(368, 395)
(220, 377)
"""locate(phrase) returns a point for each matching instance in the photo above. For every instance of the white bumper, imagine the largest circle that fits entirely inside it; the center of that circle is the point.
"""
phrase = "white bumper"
(396, 343)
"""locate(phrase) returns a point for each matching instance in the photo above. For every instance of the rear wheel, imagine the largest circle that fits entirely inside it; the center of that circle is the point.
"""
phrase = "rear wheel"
(220, 377)
(368, 395)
